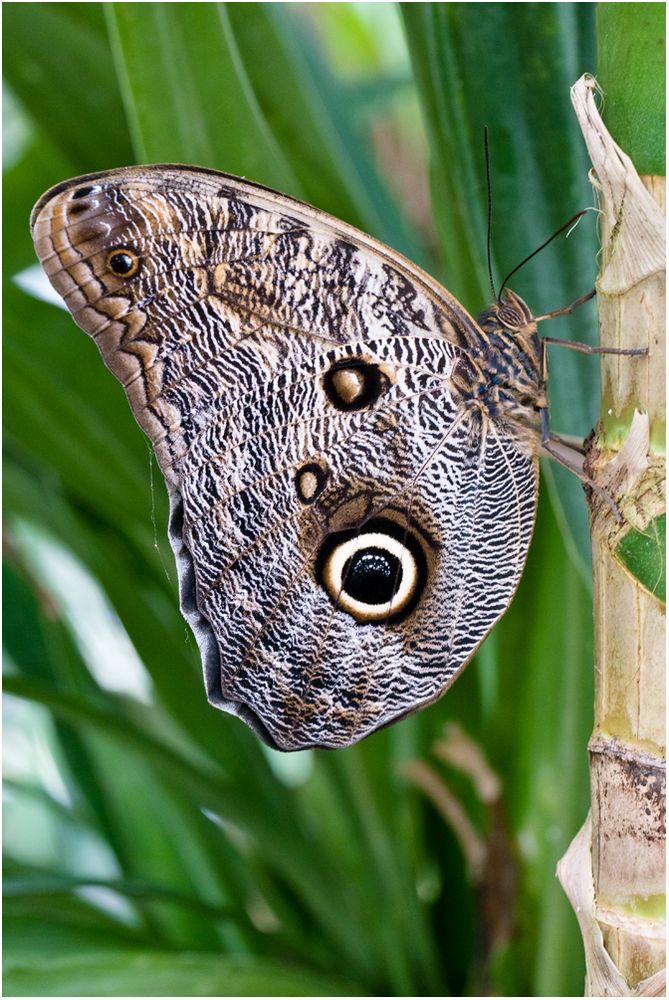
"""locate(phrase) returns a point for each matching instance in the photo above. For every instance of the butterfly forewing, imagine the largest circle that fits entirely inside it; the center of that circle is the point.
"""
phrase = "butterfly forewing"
(349, 522)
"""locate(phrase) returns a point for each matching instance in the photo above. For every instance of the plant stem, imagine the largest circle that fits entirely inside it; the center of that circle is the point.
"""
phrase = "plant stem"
(614, 872)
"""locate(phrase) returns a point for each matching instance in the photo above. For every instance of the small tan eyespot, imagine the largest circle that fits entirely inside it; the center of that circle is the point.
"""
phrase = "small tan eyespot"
(310, 481)
(354, 384)
(123, 262)
(348, 384)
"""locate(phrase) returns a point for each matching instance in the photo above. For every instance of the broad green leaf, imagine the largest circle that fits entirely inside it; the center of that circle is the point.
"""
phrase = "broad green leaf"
(330, 129)
(34, 886)
(300, 121)
(41, 165)
(36, 928)
(58, 405)
(155, 974)
(59, 63)
(631, 70)
(545, 708)
(187, 92)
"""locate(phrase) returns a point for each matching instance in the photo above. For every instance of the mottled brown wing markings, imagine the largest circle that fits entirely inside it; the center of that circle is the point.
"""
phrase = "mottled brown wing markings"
(512, 479)
(151, 179)
(222, 306)
(294, 424)
(300, 573)
(462, 418)
(407, 511)
(254, 395)
(470, 527)
(191, 523)
(378, 509)
(223, 457)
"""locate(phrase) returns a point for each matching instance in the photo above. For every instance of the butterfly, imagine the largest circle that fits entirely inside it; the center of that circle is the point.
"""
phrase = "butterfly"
(351, 458)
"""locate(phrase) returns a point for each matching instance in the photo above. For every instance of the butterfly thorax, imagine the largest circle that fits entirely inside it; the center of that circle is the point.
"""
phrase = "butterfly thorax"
(507, 355)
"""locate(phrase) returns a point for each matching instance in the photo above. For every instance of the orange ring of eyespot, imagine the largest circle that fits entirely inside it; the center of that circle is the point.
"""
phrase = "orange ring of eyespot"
(123, 251)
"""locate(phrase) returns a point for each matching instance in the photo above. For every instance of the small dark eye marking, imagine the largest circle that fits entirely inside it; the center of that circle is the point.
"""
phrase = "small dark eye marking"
(123, 262)
(82, 192)
(353, 385)
(310, 481)
(376, 573)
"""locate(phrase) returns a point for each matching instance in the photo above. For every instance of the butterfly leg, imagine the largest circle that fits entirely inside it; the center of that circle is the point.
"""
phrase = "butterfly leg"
(561, 449)
(550, 440)
(562, 452)
(576, 345)
(546, 435)
(567, 309)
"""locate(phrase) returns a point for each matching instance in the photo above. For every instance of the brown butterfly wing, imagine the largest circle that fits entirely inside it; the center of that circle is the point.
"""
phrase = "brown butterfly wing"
(348, 525)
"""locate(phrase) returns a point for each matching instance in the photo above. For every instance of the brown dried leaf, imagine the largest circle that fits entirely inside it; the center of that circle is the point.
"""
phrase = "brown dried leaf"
(633, 233)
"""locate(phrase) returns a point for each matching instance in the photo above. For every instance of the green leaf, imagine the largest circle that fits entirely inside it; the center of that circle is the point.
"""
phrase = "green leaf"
(644, 553)
(155, 974)
(338, 134)
(631, 70)
(34, 885)
(503, 66)
(36, 928)
(544, 659)
(60, 394)
(299, 119)
(187, 91)
(59, 63)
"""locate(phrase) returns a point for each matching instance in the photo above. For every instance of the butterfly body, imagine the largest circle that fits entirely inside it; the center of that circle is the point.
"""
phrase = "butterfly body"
(351, 458)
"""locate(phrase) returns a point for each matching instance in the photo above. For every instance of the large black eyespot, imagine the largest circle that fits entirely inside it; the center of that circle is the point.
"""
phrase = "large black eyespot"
(353, 385)
(375, 573)
(373, 576)
(123, 262)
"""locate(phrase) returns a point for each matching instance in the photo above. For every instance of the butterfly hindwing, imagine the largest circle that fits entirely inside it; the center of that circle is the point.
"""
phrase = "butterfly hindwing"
(348, 525)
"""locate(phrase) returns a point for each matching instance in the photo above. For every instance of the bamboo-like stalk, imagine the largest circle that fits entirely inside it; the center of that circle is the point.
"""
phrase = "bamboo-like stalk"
(614, 871)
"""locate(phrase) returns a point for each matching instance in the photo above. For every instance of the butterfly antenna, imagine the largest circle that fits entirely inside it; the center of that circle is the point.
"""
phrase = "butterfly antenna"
(489, 189)
(550, 239)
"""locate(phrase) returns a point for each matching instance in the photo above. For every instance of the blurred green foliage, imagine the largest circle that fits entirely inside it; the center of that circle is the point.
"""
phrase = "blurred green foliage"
(152, 845)
(631, 69)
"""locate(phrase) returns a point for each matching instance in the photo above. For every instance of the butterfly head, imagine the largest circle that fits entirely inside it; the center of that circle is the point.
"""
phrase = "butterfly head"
(511, 314)
(510, 325)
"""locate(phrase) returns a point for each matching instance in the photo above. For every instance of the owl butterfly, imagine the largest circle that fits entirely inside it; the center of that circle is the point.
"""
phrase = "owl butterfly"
(351, 459)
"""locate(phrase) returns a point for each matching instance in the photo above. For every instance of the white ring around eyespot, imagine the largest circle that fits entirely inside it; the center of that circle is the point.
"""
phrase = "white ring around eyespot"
(334, 567)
